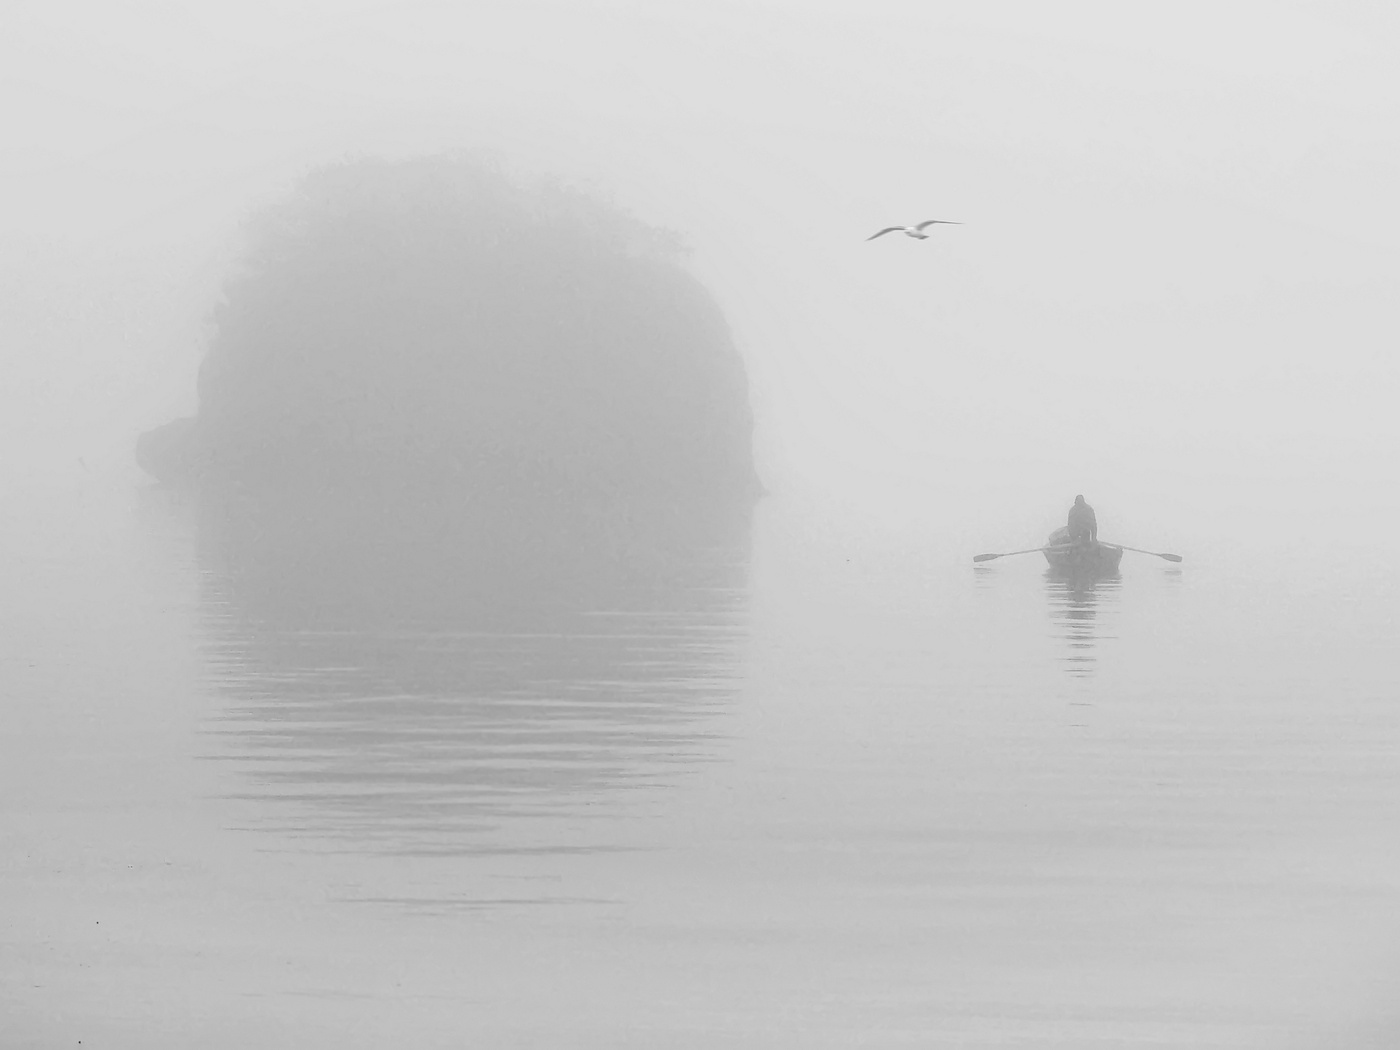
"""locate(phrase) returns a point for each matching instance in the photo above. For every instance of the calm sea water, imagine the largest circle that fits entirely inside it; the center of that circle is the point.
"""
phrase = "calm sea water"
(827, 785)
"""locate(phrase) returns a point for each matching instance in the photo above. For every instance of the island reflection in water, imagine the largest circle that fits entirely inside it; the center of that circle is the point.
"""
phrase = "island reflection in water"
(434, 680)
(1076, 600)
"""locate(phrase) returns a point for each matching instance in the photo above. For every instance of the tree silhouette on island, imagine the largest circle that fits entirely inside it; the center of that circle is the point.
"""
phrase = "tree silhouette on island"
(432, 325)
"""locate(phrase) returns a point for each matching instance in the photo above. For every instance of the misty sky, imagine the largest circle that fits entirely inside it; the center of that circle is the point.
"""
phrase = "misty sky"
(1177, 268)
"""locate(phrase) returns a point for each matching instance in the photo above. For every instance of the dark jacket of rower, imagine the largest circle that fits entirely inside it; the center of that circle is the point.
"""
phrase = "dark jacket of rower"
(1082, 523)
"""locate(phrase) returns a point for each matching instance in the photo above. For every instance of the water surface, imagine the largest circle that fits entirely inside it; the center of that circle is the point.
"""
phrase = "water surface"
(820, 785)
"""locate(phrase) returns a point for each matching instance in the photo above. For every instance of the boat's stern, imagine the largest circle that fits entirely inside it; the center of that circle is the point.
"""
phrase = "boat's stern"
(1088, 558)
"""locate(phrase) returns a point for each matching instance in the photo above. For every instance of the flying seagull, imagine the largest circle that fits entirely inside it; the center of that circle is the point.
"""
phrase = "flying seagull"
(917, 232)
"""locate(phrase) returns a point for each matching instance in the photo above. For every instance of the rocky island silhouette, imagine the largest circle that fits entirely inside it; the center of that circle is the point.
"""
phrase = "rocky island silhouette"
(435, 329)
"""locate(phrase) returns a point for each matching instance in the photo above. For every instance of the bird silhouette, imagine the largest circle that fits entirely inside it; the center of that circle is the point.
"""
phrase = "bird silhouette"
(917, 232)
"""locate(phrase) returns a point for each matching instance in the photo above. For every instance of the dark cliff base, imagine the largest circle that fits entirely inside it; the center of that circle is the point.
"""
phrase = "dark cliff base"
(422, 557)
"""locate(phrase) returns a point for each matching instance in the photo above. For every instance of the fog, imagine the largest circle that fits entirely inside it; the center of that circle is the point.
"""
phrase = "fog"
(809, 778)
(1174, 267)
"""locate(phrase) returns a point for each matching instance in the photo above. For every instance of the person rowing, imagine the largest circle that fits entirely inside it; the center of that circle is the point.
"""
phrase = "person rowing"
(1076, 544)
(1083, 525)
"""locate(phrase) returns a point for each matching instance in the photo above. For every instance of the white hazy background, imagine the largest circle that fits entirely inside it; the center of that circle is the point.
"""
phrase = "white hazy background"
(1174, 292)
(1173, 289)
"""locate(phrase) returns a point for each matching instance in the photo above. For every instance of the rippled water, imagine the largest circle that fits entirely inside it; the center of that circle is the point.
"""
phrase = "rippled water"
(1079, 607)
(464, 742)
(817, 785)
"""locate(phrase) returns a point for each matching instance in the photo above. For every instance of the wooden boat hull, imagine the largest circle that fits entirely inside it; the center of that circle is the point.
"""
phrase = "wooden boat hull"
(1084, 559)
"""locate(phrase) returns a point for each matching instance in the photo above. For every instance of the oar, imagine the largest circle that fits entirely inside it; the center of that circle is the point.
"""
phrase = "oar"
(1136, 550)
(1029, 550)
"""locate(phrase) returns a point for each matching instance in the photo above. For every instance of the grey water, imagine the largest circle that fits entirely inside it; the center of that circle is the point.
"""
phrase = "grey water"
(826, 783)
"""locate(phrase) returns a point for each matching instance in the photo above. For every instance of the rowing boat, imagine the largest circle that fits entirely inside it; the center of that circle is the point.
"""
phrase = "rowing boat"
(1081, 559)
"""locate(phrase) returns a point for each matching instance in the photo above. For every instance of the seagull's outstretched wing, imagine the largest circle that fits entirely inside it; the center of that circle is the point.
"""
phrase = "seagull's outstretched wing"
(930, 222)
(887, 229)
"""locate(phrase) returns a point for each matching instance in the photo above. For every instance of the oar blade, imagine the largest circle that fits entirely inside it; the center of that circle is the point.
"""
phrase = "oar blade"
(1170, 557)
(985, 557)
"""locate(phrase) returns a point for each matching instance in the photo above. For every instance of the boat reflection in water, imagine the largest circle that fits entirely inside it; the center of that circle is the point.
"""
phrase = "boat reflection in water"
(406, 676)
(1076, 600)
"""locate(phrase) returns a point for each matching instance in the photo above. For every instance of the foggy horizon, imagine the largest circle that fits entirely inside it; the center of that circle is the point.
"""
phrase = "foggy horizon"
(521, 714)
(1214, 230)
